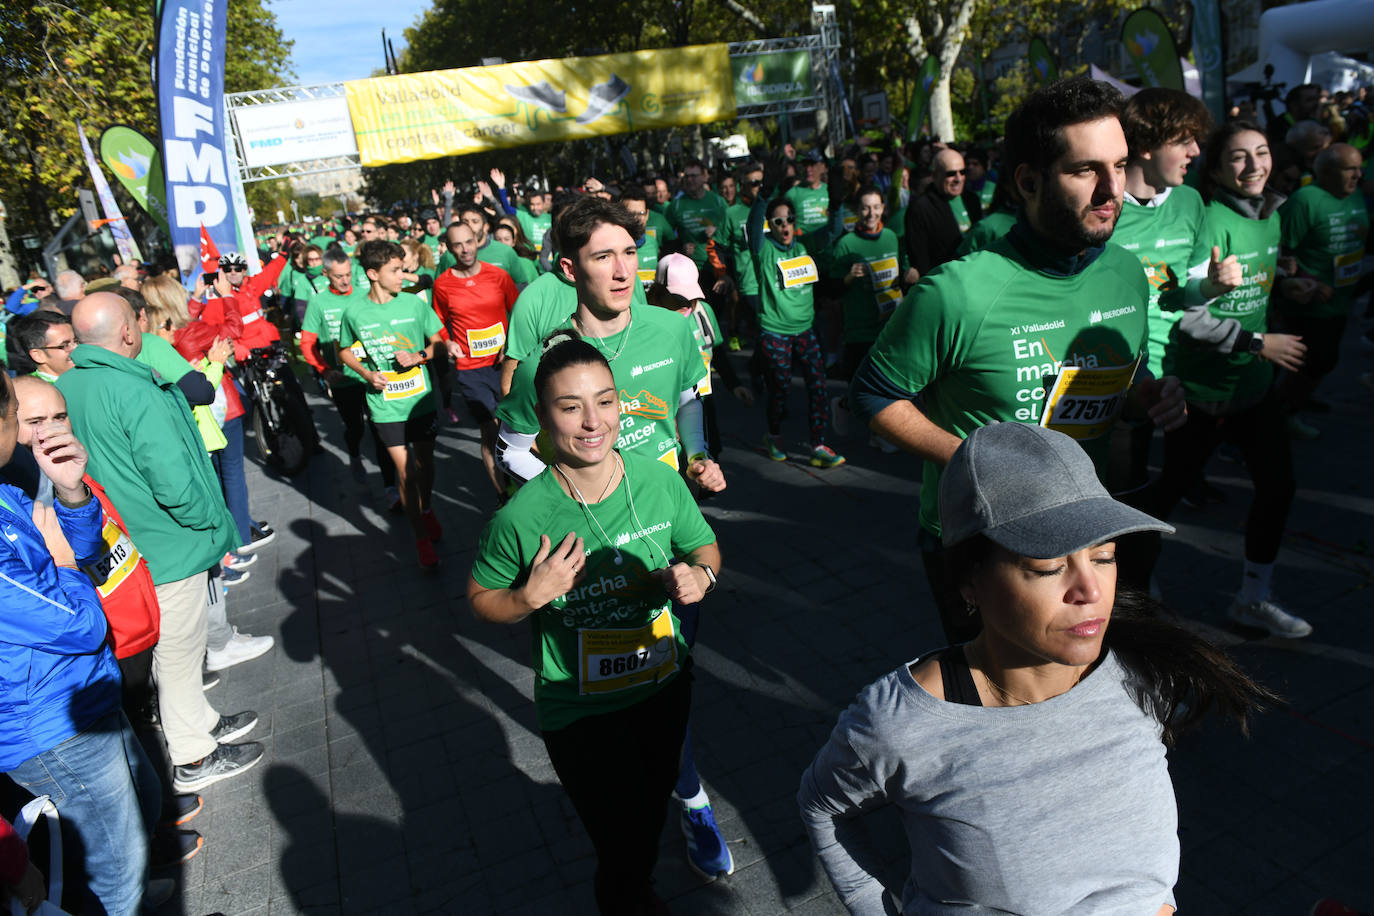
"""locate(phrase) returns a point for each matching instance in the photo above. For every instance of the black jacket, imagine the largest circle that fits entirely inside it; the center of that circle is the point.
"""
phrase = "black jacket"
(932, 235)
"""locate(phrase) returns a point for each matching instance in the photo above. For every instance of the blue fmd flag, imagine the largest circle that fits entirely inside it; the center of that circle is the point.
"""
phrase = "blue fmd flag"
(190, 98)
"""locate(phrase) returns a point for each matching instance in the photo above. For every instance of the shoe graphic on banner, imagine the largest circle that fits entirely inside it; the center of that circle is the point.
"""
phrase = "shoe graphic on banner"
(604, 97)
(541, 95)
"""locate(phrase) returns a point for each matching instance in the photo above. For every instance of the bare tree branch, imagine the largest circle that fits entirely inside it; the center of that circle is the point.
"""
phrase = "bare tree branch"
(748, 15)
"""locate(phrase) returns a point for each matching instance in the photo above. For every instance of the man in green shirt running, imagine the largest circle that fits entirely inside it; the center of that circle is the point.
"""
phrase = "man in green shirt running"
(1325, 226)
(1163, 223)
(320, 347)
(698, 214)
(397, 334)
(811, 202)
(652, 353)
(1046, 325)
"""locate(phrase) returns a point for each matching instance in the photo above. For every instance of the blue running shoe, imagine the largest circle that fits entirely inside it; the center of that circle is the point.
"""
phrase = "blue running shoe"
(707, 853)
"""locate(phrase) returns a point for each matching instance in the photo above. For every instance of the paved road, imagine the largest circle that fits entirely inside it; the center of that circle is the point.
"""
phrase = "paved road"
(404, 772)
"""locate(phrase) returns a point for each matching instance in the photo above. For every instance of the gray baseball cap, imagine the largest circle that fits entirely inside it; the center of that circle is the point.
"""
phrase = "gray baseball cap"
(1032, 490)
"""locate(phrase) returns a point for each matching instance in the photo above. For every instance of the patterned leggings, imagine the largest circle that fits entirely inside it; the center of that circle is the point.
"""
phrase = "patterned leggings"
(779, 353)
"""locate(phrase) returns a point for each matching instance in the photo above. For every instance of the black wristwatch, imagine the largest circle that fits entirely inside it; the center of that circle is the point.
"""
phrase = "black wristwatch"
(1256, 343)
(710, 576)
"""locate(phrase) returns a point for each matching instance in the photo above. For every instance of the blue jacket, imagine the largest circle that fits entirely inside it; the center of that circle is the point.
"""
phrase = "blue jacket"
(57, 675)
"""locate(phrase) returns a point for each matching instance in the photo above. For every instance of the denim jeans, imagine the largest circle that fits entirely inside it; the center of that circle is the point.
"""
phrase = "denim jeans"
(108, 796)
(229, 464)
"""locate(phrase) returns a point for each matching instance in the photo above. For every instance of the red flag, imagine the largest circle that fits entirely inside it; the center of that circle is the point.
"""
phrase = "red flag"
(209, 254)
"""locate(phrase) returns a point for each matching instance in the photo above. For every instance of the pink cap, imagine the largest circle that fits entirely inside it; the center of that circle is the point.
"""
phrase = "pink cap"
(680, 275)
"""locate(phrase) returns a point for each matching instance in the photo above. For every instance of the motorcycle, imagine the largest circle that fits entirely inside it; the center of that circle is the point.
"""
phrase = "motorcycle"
(282, 424)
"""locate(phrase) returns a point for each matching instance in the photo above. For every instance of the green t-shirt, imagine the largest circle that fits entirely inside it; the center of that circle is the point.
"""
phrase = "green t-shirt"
(869, 301)
(1209, 376)
(988, 230)
(615, 638)
(786, 278)
(404, 323)
(323, 314)
(1168, 238)
(1327, 235)
(658, 361)
(985, 339)
(432, 243)
(737, 240)
(160, 356)
(657, 225)
(534, 227)
(648, 260)
(961, 217)
(692, 218)
(542, 307)
(985, 193)
(322, 241)
(812, 206)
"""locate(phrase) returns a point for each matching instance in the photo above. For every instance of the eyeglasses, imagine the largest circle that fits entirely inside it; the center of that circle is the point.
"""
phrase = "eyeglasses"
(64, 346)
(956, 172)
(753, 184)
(783, 221)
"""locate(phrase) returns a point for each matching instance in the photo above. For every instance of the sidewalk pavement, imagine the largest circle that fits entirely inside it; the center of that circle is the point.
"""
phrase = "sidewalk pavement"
(404, 772)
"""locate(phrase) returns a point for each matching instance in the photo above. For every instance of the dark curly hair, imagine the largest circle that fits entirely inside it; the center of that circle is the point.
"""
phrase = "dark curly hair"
(1035, 131)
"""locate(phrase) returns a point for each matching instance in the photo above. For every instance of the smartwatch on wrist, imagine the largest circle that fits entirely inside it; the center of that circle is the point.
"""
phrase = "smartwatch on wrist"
(710, 577)
(1256, 343)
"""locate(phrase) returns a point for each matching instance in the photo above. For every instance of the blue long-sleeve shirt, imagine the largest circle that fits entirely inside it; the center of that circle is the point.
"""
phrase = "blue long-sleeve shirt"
(57, 673)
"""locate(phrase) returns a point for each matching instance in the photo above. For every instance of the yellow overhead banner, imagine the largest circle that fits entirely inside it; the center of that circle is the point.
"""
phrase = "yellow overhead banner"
(453, 112)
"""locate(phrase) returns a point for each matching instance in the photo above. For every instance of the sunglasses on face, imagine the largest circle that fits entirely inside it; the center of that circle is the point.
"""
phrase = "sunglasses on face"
(956, 172)
(782, 221)
(753, 184)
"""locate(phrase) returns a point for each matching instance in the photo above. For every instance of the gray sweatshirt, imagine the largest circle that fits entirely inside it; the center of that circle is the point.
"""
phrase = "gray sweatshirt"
(1064, 806)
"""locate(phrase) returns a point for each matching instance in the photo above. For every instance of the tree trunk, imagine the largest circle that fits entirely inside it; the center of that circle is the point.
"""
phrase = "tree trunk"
(946, 45)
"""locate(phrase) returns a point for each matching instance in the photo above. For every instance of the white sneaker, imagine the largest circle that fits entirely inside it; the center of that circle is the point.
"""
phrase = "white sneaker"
(1266, 615)
(239, 648)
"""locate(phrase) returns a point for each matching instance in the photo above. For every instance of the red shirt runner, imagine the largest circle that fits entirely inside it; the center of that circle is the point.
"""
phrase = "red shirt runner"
(474, 311)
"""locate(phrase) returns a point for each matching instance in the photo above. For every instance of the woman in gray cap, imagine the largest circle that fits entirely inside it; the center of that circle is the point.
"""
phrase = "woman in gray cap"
(1029, 764)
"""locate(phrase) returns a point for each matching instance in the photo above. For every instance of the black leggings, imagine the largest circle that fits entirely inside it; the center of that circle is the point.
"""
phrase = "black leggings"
(1262, 438)
(619, 769)
(351, 400)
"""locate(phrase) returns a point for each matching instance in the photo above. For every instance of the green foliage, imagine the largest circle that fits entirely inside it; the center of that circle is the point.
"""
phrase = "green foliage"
(60, 61)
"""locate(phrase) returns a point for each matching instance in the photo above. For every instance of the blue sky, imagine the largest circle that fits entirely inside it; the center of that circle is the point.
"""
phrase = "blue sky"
(341, 39)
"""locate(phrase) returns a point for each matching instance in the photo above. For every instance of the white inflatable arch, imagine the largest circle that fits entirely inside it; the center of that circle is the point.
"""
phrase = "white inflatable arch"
(1290, 35)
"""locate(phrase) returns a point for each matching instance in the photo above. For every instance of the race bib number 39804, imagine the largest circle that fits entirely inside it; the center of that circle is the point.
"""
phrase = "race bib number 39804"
(799, 271)
(614, 660)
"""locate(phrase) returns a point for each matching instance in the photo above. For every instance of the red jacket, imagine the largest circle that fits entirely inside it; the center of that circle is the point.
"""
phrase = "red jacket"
(193, 340)
(126, 587)
(14, 855)
(247, 299)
